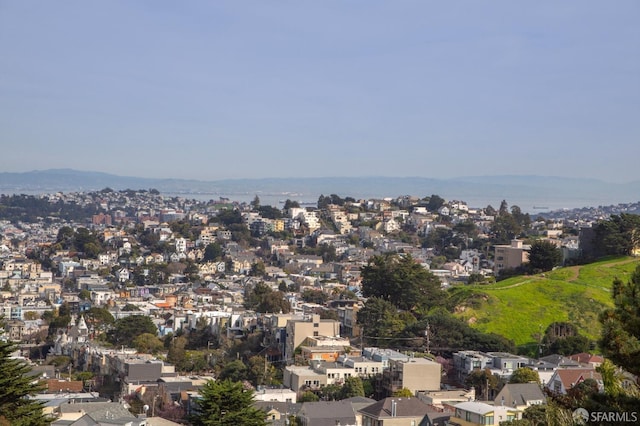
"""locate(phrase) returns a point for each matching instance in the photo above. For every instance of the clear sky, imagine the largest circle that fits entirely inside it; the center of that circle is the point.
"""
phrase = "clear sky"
(249, 89)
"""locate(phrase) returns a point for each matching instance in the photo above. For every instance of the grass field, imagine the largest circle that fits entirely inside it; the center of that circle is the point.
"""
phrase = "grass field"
(521, 307)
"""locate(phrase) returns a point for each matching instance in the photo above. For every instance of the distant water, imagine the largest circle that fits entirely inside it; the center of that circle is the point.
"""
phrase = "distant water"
(527, 203)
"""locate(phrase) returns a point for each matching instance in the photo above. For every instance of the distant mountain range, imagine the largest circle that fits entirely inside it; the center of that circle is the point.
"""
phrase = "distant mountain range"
(531, 193)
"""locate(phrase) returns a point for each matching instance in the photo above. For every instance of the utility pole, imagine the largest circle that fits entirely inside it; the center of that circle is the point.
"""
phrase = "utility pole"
(427, 337)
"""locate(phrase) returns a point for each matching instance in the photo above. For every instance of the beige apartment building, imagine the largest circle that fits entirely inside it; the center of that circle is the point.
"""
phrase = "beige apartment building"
(510, 256)
(311, 326)
(415, 374)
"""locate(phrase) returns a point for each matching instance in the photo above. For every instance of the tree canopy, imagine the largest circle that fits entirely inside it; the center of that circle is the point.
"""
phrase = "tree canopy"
(15, 387)
(125, 330)
(524, 375)
(225, 402)
(544, 256)
(620, 340)
(401, 281)
(261, 298)
(618, 235)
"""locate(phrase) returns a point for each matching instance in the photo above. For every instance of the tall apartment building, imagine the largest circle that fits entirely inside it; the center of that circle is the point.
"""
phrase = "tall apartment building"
(311, 326)
(510, 256)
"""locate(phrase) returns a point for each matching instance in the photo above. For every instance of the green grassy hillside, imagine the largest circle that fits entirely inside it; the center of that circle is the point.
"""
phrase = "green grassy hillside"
(519, 307)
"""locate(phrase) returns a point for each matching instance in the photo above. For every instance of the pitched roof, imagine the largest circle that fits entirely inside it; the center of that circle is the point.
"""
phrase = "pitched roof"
(405, 407)
(519, 394)
(586, 358)
(572, 376)
(326, 413)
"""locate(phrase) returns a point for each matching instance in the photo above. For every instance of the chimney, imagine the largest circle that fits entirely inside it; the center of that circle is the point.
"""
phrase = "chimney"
(394, 408)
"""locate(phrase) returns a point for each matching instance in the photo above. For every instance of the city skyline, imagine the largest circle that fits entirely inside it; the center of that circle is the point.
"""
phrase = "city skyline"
(223, 90)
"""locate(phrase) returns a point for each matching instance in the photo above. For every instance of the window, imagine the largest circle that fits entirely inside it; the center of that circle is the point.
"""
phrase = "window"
(316, 325)
(315, 334)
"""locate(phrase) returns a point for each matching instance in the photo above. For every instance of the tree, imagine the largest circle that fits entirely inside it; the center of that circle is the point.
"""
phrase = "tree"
(353, 386)
(563, 338)
(15, 388)
(524, 375)
(269, 212)
(126, 329)
(148, 343)
(258, 269)
(314, 296)
(401, 281)
(612, 378)
(308, 396)
(380, 320)
(255, 204)
(177, 350)
(620, 339)
(235, 371)
(288, 204)
(403, 393)
(544, 256)
(98, 318)
(434, 203)
(225, 402)
(212, 252)
(261, 298)
(618, 235)
(483, 381)
(84, 294)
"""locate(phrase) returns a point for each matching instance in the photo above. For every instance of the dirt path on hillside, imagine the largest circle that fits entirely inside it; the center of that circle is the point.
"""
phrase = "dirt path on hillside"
(515, 285)
(575, 270)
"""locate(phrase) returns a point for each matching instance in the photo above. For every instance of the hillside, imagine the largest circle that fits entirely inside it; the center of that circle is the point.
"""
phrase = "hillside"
(519, 307)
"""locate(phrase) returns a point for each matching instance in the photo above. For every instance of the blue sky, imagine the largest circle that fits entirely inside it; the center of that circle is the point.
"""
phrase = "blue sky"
(249, 89)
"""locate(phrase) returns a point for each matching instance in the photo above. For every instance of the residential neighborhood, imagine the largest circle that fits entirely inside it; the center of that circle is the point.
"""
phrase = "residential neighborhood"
(128, 302)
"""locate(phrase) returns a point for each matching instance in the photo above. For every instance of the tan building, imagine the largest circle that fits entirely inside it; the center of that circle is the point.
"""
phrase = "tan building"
(301, 379)
(415, 374)
(311, 326)
(510, 256)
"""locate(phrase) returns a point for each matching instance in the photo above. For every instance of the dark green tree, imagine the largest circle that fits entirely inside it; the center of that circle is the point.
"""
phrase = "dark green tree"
(314, 296)
(258, 269)
(434, 203)
(544, 256)
(228, 217)
(308, 396)
(15, 387)
(177, 351)
(255, 204)
(380, 321)
(401, 281)
(261, 298)
(269, 212)
(288, 204)
(484, 382)
(235, 371)
(98, 318)
(213, 252)
(620, 340)
(126, 329)
(618, 235)
(353, 386)
(225, 402)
